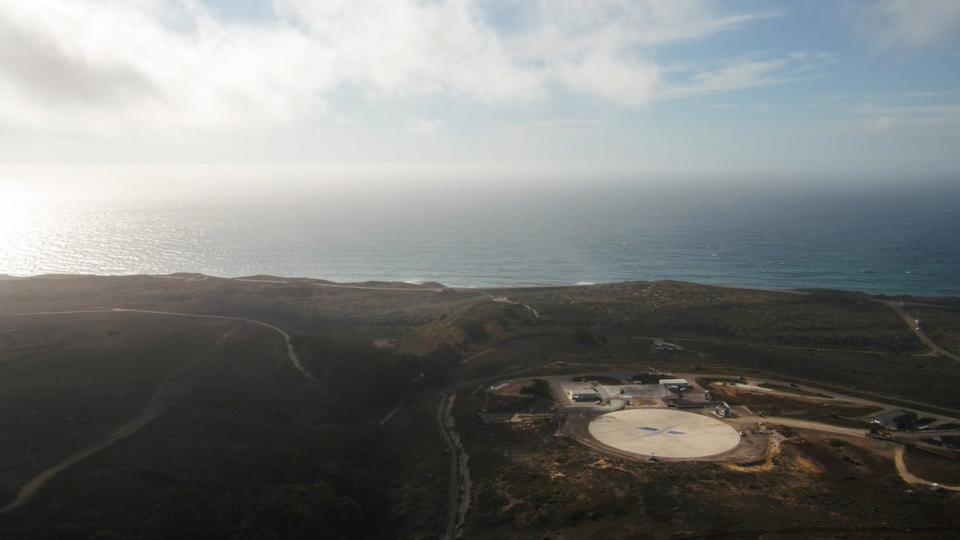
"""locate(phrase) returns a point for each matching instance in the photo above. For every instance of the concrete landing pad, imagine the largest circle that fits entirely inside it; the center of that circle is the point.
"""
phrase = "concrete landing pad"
(664, 433)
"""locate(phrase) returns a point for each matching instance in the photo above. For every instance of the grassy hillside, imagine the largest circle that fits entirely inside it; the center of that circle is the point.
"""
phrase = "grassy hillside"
(241, 445)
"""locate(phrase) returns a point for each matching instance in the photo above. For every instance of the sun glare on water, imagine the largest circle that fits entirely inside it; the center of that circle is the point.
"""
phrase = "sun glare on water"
(26, 217)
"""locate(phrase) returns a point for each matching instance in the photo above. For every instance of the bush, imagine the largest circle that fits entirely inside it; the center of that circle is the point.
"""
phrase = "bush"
(475, 330)
(538, 388)
(70, 531)
(584, 337)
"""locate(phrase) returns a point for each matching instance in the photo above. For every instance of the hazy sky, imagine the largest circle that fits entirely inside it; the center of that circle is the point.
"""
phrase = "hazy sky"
(796, 88)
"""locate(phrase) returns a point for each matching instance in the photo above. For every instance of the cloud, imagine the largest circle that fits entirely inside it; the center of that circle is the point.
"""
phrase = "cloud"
(423, 126)
(905, 23)
(115, 66)
(735, 76)
(112, 65)
(554, 28)
(926, 121)
(748, 72)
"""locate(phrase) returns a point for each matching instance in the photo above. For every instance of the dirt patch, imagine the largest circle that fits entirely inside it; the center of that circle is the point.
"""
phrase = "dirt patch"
(765, 464)
(605, 463)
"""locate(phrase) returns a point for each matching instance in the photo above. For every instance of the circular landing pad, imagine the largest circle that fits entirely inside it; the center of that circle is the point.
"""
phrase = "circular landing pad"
(664, 433)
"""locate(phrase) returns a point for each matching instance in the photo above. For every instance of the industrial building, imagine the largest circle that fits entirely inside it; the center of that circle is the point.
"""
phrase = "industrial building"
(898, 419)
(675, 384)
(594, 392)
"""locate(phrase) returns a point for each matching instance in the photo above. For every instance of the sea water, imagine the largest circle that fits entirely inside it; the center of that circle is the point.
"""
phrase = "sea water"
(900, 240)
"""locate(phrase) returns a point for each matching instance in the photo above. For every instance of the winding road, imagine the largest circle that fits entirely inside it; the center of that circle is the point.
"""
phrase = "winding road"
(291, 353)
(898, 456)
(915, 328)
(458, 487)
(910, 478)
(504, 300)
(165, 395)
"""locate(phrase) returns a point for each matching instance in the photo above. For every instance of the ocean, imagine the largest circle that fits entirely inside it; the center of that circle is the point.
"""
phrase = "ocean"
(902, 239)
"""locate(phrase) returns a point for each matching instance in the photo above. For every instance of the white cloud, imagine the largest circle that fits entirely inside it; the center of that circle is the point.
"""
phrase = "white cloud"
(116, 66)
(423, 126)
(108, 65)
(632, 82)
(748, 72)
(906, 23)
(735, 76)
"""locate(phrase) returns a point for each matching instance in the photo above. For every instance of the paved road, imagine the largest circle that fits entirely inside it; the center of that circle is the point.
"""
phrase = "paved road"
(167, 393)
(912, 325)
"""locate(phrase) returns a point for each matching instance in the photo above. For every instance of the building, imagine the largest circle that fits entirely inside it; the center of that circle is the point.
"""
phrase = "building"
(583, 392)
(649, 377)
(898, 419)
(674, 384)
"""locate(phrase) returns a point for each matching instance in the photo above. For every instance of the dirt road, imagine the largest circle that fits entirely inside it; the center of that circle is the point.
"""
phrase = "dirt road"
(504, 300)
(756, 344)
(291, 353)
(508, 340)
(400, 402)
(915, 328)
(166, 394)
(458, 489)
(169, 391)
(805, 424)
(912, 479)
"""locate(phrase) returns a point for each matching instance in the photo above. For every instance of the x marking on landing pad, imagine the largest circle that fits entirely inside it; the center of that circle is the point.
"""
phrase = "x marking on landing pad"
(669, 430)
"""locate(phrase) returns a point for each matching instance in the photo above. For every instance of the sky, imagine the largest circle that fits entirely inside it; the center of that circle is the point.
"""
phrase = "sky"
(789, 89)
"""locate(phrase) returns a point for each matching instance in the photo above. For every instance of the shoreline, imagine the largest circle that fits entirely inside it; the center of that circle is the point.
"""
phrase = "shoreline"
(436, 286)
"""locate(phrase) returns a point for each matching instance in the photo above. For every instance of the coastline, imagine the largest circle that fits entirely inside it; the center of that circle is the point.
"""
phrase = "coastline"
(387, 284)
